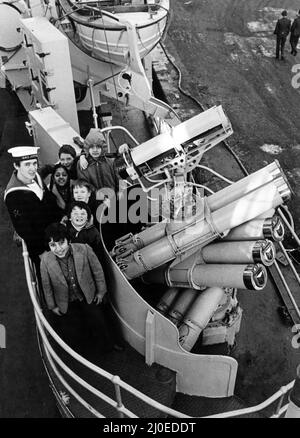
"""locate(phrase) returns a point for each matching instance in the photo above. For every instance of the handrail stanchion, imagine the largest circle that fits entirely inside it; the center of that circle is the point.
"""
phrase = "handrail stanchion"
(281, 412)
(278, 408)
(282, 391)
(289, 226)
(53, 356)
(293, 410)
(116, 381)
(94, 112)
(289, 262)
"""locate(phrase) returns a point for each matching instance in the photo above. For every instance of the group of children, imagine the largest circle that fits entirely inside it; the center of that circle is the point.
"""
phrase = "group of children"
(58, 223)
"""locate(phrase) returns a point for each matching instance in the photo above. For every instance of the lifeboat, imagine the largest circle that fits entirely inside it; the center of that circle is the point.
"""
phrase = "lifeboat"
(102, 28)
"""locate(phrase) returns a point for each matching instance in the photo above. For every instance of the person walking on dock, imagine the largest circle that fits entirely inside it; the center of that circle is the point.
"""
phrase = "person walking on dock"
(281, 31)
(295, 34)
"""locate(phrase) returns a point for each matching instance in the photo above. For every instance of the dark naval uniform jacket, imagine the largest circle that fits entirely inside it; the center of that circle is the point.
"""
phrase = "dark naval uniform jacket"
(30, 215)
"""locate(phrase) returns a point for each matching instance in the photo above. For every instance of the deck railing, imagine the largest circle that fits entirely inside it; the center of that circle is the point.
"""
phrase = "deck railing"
(55, 362)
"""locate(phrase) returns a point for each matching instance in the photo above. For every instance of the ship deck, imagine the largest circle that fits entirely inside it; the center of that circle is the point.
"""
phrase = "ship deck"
(264, 351)
(263, 347)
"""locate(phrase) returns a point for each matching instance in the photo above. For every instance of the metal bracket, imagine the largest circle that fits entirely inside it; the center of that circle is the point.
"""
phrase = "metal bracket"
(149, 338)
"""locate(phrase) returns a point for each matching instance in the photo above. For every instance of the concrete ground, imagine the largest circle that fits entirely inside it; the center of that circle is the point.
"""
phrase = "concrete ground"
(226, 52)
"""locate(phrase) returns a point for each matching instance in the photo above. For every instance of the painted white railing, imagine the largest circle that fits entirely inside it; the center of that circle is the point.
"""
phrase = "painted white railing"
(279, 395)
(53, 360)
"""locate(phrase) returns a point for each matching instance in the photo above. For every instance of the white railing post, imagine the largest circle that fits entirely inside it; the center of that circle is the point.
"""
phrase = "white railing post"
(116, 381)
(149, 338)
(278, 408)
(94, 112)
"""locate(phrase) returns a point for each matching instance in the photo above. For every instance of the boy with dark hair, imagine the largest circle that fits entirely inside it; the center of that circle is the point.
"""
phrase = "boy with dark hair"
(74, 285)
(82, 191)
(81, 228)
(67, 157)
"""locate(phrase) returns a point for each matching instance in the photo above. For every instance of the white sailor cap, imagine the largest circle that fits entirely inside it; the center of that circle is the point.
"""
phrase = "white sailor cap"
(21, 153)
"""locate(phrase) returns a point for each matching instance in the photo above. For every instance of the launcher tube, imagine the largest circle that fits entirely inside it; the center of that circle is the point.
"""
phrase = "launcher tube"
(140, 240)
(183, 302)
(243, 186)
(166, 249)
(267, 214)
(259, 251)
(215, 202)
(251, 277)
(167, 300)
(249, 206)
(233, 214)
(269, 228)
(198, 316)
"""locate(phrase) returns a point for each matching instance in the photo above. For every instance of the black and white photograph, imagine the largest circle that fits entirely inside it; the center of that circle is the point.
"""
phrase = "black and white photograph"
(150, 212)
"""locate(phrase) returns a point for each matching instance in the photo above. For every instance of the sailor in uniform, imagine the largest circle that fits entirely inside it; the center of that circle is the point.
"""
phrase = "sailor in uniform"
(30, 204)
